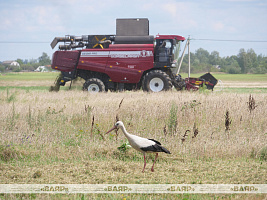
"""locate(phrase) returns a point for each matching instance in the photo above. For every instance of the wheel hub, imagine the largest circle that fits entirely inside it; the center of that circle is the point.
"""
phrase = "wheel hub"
(93, 88)
(156, 84)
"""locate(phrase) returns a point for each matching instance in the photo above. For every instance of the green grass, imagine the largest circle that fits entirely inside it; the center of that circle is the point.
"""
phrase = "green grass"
(244, 90)
(35, 81)
(27, 88)
(242, 77)
(35, 88)
(29, 76)
(233, 77)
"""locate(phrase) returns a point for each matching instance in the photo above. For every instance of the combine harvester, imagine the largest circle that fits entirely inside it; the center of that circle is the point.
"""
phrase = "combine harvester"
(130, 60)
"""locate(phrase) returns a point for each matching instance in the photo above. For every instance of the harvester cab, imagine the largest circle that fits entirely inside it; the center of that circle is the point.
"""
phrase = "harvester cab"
(167, 48)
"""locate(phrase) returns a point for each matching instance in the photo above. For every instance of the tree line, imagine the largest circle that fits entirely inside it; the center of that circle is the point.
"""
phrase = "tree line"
(27, 65)
(247, 61)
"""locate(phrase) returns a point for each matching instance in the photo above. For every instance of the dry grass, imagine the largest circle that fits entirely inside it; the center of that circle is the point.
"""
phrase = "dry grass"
(49, 137)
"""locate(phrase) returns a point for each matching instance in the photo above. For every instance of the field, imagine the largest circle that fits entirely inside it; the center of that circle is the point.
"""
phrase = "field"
(58, 137)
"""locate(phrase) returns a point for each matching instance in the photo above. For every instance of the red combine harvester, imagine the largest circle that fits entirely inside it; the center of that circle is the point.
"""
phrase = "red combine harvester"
(129, 60)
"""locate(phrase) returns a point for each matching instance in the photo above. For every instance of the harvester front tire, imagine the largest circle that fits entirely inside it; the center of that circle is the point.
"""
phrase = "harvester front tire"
(94, 85)
(156, 81)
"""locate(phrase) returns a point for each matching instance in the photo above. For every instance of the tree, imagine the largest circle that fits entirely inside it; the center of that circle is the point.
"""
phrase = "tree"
(252, 62)
(44, 59)
(20, 61)
(202, 55)
(262, 65)
(242, 60)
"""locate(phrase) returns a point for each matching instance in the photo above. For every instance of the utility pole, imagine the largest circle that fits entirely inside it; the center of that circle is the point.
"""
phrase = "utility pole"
(182, 57)
(188, 56)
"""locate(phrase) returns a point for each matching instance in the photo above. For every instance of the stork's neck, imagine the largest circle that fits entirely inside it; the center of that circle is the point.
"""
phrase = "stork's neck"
(128, 135)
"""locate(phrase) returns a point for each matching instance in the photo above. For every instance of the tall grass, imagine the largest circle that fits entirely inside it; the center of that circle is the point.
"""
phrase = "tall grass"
(59, 137)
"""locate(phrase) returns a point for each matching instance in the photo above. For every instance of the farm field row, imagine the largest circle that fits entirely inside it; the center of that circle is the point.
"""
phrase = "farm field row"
(242, 83)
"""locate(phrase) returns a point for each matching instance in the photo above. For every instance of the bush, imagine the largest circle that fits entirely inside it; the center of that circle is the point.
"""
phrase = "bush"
(233, 70)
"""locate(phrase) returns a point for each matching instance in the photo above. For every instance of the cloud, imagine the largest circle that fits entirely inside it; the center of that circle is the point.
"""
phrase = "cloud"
(218, 26)
(21, 23)
(241, 1)
(39, 20)
(180, 14)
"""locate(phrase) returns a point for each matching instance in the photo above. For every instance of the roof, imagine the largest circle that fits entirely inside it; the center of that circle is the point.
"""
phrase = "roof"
(8, 61)
(177, 37)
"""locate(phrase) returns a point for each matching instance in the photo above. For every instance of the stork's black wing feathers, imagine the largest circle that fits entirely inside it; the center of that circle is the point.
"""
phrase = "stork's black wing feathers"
(155, 148)
(155, 141)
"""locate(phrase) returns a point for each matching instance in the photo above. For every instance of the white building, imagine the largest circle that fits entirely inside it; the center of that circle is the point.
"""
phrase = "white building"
(11, 63)
(42, 69)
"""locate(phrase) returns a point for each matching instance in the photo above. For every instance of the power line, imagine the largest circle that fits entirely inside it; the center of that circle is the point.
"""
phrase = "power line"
(21, 42)
(206, 39)
(218, 40)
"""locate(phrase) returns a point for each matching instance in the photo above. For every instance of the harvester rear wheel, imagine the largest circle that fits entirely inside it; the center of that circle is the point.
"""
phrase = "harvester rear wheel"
(156, 81)
(94, 85)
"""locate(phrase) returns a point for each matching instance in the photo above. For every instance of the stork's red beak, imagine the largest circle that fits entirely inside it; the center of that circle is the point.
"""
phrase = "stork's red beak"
(114, 127)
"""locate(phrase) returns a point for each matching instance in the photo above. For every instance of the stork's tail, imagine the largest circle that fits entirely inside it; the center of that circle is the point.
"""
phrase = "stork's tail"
(165, 150)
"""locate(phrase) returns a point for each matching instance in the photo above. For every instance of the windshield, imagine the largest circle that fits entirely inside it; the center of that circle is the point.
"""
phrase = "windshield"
(176, 51)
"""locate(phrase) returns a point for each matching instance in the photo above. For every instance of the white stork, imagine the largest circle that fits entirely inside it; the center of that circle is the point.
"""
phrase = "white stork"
(143, 145)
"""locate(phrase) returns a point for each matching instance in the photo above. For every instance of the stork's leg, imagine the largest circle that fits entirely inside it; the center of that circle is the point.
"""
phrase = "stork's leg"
(144, 163)
(152, 169)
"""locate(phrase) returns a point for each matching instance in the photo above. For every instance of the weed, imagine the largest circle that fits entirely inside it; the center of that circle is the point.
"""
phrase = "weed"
(26, 139)
(120, 103)
(172, 122)
(124, 147)
(92, 125)
(95, 129)
(228, 121)
(253, 153)
(263, 153)
(37, 174)
(185, 135)
(191, 104)
(251, 103)
(195, 131)
(11, 119)
(53, 110)
(165, 130)
(56, 86)
(203, 89)
(88, 110)
(10, 98)
(9, 153)
(29, 117)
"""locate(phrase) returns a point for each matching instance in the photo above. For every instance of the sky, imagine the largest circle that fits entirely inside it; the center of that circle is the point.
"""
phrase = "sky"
(27, 27)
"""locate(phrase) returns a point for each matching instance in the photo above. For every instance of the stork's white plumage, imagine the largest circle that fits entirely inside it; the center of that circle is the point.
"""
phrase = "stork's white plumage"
(143, 145)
